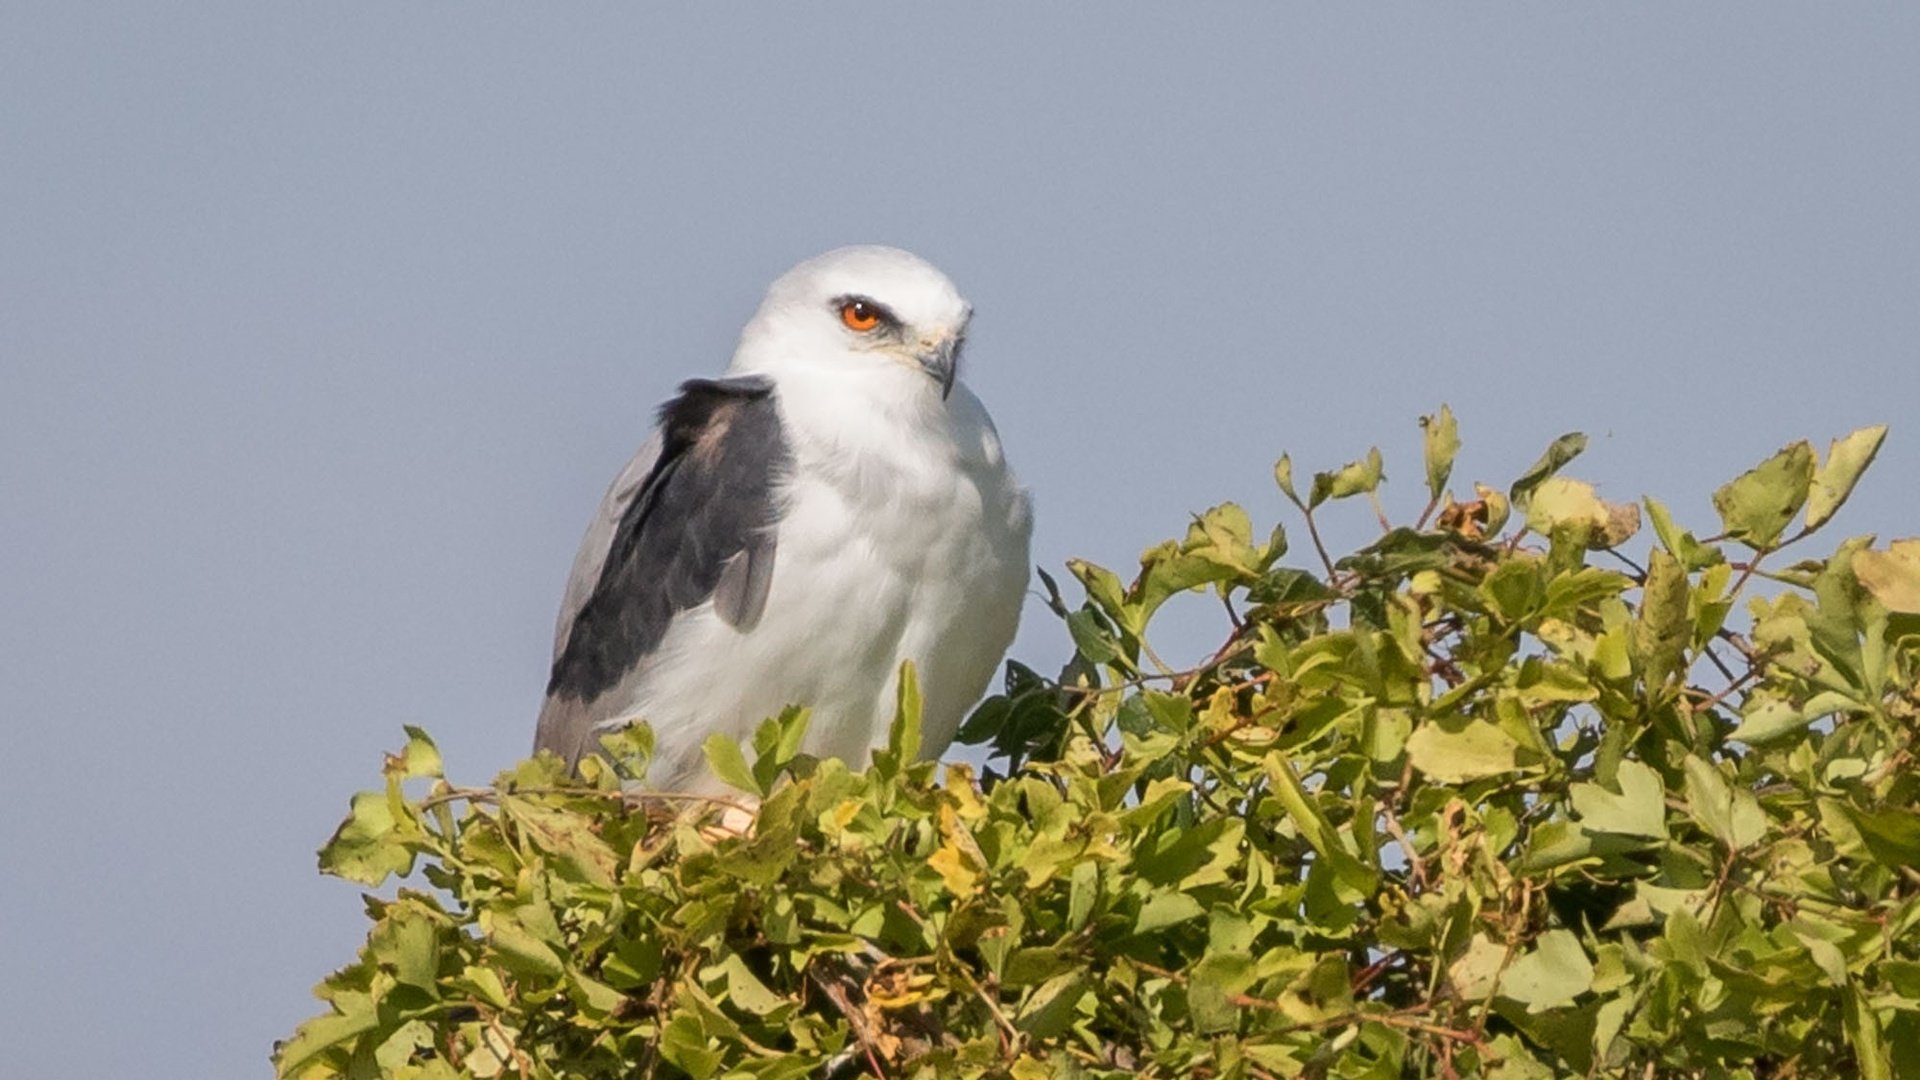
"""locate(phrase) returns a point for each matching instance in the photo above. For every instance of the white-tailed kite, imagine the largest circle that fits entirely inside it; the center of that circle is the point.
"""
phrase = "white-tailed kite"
(835, 504)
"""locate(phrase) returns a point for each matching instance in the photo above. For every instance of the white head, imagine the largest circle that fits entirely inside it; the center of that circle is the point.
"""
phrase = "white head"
(869, 313)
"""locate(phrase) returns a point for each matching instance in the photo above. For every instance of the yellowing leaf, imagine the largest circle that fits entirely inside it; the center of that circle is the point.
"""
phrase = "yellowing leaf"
(958, 860)
(1834, 479)
(1475, 971)
(1561, 503)
(1893, 575)
(1560, 500)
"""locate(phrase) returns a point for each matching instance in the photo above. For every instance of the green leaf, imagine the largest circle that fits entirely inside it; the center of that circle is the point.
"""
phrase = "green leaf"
(1211, 988)
(420, 759)
(1283, 476)
(1562, 506)
(483, 983)
(627, 751)
(728, 763)
(522, 952)
(1455, 750)
(1103, 587)
(1756, 507)
(685, 1043)
(1165, 572)
(903, 738)
(369, 845)
(777, 743)
(1353, 478)
(1890, 833)
(1223, 536)
(1091, 638)
(1731, 814)
(595, 999)
(1031, 967)
(1052, 1007)
(745, 989)
(1638, 810)
(569, 836)
(1663, 628)
(1441, 439)
(1554, 972)
(407, 943)
(1314, 826)
(1833, 481)
(1515, 589)
(1693, 555)
(328, 1032)
(1766, 719)
(1164, 909)
(1864, 1035)
(1562, 450)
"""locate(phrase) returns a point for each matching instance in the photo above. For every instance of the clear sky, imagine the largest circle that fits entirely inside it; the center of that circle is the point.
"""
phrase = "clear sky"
(323, 326)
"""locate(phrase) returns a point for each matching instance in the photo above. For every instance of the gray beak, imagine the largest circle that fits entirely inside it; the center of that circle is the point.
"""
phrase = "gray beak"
(942, 361)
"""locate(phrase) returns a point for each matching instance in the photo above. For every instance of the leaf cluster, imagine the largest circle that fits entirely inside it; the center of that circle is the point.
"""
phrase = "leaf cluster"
(1486, 797)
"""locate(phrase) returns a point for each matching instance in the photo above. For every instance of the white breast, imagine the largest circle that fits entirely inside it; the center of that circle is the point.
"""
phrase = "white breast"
(905, 537)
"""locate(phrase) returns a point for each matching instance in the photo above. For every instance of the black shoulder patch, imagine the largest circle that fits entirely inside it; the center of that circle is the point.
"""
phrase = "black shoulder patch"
(709, 504)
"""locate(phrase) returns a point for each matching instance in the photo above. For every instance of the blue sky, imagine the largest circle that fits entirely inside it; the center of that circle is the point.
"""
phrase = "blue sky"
(322, 328)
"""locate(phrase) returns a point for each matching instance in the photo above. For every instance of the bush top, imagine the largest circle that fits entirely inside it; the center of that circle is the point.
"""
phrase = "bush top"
(1486, 797)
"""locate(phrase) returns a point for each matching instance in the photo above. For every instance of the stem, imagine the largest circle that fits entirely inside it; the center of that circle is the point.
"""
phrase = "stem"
(1314, 532)
(1427, 512)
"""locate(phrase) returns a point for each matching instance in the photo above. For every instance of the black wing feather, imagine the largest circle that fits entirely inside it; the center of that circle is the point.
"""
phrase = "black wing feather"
(709, 506)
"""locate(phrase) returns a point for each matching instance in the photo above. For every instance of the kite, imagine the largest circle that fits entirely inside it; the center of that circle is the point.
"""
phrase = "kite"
(836, 503)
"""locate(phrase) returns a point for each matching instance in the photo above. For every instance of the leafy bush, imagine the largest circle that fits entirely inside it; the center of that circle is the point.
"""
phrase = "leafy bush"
(1486, 797)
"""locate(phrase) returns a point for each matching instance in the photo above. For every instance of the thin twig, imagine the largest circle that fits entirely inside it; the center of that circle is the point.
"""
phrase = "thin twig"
(1313, 531)
(1420, 522)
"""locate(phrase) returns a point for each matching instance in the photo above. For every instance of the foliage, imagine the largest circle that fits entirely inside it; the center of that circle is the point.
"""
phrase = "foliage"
(1474, 800)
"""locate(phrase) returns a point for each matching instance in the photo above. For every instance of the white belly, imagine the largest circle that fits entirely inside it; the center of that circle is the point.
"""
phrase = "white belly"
(892, 564)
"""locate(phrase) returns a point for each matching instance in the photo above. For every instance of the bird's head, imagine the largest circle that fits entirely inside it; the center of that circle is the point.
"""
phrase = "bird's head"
(860, 311)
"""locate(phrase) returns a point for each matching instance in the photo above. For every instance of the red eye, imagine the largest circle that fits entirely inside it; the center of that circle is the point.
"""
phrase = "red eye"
(859, 315)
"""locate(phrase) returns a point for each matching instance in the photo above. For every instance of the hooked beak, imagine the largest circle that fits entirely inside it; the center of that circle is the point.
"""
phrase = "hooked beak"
(940, 359)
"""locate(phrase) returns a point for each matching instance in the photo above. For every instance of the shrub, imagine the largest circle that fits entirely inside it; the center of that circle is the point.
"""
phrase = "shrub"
(1486, 797)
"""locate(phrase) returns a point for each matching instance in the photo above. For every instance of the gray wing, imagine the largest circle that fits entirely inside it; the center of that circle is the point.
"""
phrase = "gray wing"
(692, 518)
(599, 538)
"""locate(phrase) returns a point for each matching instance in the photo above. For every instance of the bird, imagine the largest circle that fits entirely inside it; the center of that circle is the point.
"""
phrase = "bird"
(835, 503)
